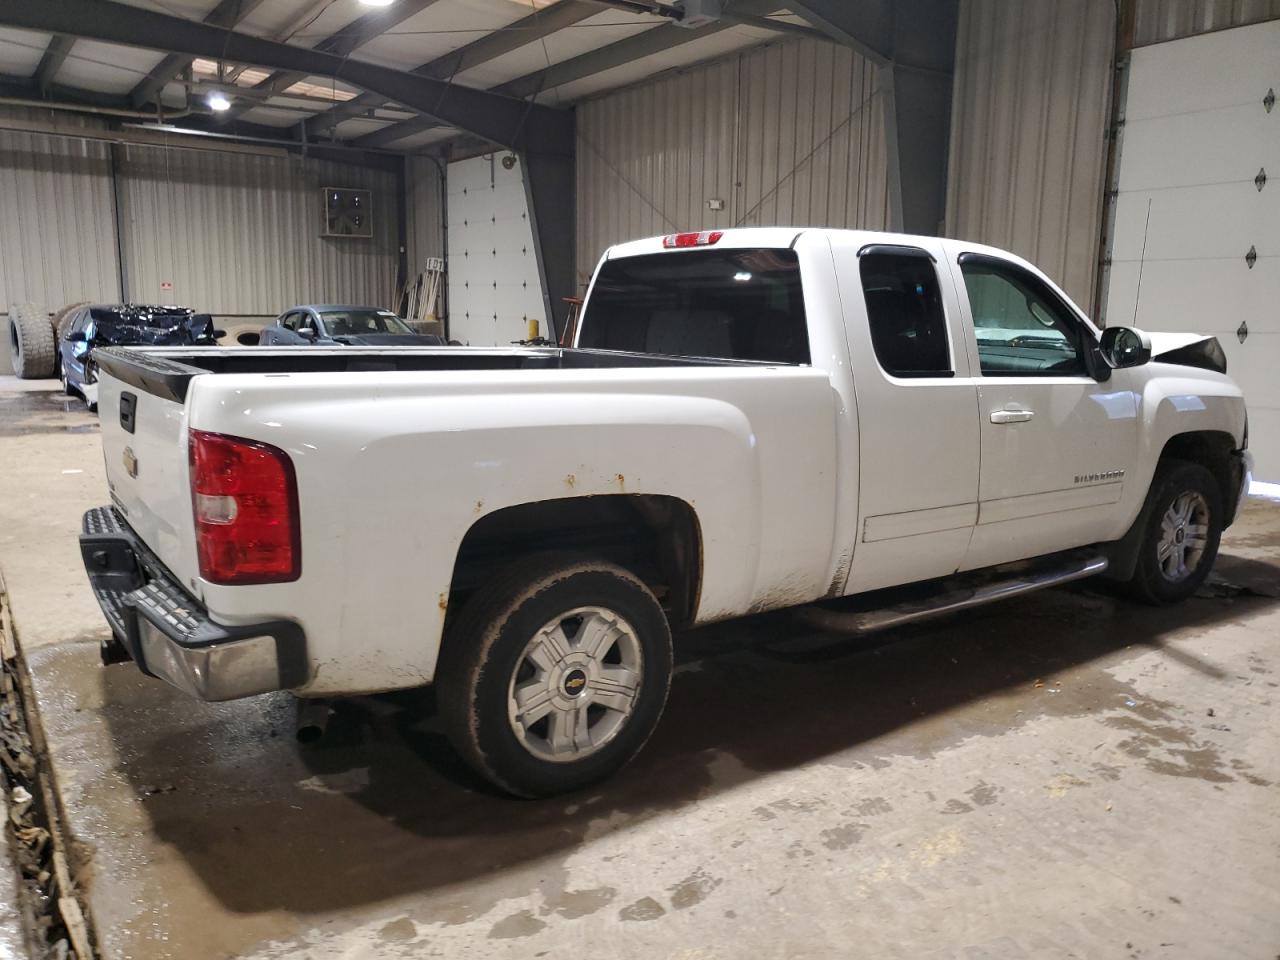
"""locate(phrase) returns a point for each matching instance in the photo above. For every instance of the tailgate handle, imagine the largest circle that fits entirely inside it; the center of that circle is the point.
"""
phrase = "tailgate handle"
(128, 411)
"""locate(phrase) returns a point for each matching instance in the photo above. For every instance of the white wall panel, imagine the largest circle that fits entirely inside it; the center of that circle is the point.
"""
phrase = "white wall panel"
(240, 234)
(786, 133)
(57, 236)
(1028, 137)
(494, 286)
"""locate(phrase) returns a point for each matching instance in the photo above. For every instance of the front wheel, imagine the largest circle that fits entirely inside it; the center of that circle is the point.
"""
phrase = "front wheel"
(1181, 538)
(555, 675)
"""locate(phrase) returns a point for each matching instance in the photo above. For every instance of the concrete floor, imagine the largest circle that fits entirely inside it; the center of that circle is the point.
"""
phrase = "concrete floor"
(1064, 775)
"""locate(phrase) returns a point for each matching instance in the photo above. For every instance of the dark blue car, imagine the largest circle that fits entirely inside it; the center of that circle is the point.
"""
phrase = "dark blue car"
(123, 325)
(331, 323)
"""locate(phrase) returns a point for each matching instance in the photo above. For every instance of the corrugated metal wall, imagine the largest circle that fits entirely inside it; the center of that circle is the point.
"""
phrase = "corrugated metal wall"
(1159, 20)
(57, 237)
(788, 133)
(241, 234)
(1030, 110)
(425, 212)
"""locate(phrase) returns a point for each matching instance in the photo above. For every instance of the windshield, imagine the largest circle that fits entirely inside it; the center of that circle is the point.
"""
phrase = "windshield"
(726, 304)
(354, 323)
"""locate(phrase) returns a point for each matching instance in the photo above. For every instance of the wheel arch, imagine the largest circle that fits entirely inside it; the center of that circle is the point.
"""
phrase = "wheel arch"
(1214, 450)
(654, 536)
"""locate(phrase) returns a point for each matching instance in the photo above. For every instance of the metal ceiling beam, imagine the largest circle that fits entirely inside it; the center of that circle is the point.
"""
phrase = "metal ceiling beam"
(914, 82)
(656, 40)
(865, 25)
(621, 52)
(503, 120)
(55, 54)
(343, 43)
(226, 14)
(541, 23)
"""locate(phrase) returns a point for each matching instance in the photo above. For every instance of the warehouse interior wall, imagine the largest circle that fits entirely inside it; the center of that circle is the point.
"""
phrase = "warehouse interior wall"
(1030, 110)
(1158, 20)
(233, 231)
(241, 235)
(57, 234)
(785, 133)
(424, 211)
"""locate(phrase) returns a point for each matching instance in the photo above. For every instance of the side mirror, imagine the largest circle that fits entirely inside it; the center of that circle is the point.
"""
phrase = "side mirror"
(1125, 346)
(76, 336)
(307, 334)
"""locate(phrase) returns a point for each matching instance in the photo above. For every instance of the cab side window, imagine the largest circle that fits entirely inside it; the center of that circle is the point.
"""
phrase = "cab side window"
(1022, 327)
(289, 321)
(904, 309)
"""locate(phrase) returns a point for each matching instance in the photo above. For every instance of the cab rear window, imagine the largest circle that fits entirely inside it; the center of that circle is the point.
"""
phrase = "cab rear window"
(722, 304)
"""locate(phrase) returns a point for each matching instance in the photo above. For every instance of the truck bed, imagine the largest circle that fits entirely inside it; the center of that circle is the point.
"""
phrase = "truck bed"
(167, 371)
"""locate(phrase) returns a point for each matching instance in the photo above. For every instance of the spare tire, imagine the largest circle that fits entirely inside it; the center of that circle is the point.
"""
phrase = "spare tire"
(31, 341)
(61, 321)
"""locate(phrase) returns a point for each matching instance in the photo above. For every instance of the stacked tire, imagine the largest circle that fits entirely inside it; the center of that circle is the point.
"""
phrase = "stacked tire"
(31, 342)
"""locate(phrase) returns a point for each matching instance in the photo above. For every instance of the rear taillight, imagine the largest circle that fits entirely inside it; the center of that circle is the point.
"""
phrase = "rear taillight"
(245, 497)
(703, 239)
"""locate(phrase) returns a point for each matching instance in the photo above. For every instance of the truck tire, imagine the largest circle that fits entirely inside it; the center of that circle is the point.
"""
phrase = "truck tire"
(1180, 542)
(554, 675)
(31, 342)
(61, 320)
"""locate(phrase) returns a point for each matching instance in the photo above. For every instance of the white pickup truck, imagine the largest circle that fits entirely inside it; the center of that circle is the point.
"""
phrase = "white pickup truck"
(878, 427)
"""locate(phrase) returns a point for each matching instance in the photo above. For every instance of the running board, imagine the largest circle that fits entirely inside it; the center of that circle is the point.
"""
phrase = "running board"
(1076, 567)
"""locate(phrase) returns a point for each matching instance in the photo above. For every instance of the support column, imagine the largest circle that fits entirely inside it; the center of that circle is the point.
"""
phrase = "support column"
(550, 189)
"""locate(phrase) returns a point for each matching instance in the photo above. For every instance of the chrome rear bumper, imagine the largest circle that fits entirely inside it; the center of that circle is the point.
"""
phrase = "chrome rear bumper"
(169, 634)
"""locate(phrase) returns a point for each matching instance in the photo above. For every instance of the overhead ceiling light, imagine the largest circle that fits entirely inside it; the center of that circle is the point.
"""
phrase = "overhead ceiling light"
(377, 3)
(218, 102)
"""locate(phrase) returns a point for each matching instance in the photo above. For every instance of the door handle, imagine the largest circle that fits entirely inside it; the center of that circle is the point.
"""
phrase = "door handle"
(1011, 416)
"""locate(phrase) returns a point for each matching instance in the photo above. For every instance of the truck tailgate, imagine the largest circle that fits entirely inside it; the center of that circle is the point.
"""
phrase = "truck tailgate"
(144, 443)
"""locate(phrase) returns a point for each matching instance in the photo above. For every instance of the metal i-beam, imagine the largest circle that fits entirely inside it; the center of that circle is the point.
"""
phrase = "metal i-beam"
(656, 40)
(503, 120)
(550, 187)
(864, 25)
(622, 52)
(226, 14)
(541, 23)
(55, 54)
(343, 43)
(914, 44)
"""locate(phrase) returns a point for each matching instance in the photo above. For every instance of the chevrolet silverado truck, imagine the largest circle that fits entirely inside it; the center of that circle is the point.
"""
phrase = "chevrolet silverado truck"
(872, 428)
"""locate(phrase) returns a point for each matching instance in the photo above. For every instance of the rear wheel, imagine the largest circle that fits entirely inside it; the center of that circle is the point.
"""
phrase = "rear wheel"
(1180, 542)
(555, 675)
(30, 342)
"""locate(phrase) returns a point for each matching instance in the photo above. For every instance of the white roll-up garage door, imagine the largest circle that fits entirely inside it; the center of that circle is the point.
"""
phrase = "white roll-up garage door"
(494, 284)
(1197, 219)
